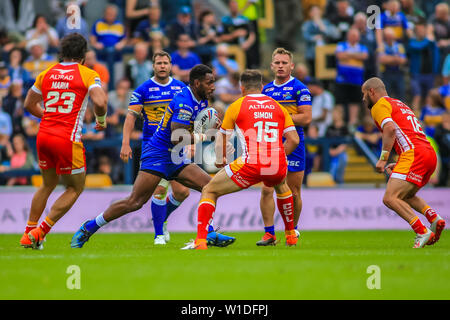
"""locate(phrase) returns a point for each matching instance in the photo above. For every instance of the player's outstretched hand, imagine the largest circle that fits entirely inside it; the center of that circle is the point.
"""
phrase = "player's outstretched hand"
(126, 153)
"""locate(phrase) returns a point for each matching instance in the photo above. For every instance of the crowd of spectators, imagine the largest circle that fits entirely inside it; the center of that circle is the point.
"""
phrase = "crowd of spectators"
(408, 47)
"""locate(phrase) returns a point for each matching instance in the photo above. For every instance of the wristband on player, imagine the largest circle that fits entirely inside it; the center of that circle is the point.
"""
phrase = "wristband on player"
(384, 155)
(199, 137)
(100, 119)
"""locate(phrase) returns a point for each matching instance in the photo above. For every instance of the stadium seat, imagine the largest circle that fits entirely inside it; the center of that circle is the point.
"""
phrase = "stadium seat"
(36, 180)
(320, 179)
(98, 180)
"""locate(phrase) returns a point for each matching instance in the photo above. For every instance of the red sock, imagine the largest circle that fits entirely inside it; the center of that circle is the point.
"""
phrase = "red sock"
(30, 226)
(429, 213)
(285, 204)
(46, 225)
(205, 214)
(418, 226)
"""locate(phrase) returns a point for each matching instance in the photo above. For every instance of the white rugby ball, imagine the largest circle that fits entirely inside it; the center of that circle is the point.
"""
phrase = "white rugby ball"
(206, 119)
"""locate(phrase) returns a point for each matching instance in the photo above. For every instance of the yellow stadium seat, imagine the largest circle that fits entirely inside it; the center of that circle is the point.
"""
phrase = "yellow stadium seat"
(36, 180)
(320, 179)
(98, 180)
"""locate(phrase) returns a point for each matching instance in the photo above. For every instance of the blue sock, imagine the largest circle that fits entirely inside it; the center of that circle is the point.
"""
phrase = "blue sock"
(270, 229)
(295, 227)
(95, 224)
(158, 214)
(172, 204)
(210, 228)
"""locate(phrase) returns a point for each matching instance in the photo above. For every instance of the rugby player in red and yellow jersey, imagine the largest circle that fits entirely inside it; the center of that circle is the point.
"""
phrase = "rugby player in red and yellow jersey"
(416, 162)
(260, 123)
(64, 89)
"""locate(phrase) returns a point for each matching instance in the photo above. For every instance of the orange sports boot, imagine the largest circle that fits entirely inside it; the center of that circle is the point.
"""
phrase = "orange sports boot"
(291, 238)
(268, 239)
(201, 244)
(36, 237)
(25, 241)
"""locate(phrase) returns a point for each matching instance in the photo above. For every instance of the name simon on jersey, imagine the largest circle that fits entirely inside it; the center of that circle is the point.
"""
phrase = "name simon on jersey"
(269, 106)
(263, 115)
(407, 111)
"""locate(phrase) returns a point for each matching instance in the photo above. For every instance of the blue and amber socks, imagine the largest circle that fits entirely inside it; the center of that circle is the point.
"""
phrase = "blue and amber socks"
(95, 224)
(171, 204)
(270, 229)
(159, 208)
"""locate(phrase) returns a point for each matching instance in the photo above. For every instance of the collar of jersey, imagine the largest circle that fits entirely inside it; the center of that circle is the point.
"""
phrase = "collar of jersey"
(67, 63)
(192, 94)
(160, 84)
(256, 95)
(280, 85)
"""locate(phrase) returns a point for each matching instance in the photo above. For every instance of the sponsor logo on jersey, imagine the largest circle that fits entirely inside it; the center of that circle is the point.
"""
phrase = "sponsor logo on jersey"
(305, 97)
(153, 89)
(267, 106)
(288, 88)
(63, 71)
(292, 163)
(165, 93)
(175, 88)
(61, 77)
(134, 98)
(269, 89)
(287, 96)
(184, 115)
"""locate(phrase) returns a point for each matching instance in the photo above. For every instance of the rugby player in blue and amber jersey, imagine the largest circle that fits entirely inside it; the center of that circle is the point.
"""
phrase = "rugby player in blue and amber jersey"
(293, 95)
(150, 100)
(163, 157)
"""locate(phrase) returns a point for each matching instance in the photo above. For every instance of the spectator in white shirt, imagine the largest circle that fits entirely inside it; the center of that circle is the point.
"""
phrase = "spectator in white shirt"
(322, 105)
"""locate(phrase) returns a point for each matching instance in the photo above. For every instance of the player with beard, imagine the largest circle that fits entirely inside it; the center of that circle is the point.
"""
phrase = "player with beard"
(416, 162)
(163, 156)
(150, 101)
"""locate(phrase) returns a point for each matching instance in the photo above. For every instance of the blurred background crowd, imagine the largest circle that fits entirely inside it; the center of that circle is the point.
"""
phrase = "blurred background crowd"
(408, 46)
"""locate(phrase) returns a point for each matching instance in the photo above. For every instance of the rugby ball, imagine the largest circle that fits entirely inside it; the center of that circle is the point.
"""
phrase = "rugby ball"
(206, 119)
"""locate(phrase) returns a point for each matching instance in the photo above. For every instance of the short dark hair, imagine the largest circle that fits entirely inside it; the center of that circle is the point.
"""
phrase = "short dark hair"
(73, 46)
(198, 73)
(203, 14)
(251, 79)
(161, 53)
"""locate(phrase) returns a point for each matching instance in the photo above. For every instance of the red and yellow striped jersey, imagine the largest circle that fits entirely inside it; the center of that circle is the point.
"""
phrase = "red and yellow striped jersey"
(408, 132)
(64, 89)
(260, 123)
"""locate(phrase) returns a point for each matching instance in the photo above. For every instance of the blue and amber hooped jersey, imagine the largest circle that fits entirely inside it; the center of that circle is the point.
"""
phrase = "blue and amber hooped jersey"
(350, 71)
(183, 109)
(291, 95)
(444, 91)
(151, 99)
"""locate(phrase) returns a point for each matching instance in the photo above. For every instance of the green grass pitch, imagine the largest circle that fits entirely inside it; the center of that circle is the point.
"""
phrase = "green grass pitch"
(326, 265)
